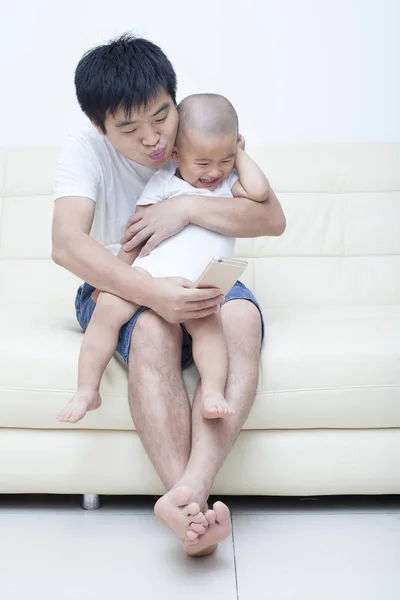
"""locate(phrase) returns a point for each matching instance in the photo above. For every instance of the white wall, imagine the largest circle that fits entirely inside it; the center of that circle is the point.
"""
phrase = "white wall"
(297, 70)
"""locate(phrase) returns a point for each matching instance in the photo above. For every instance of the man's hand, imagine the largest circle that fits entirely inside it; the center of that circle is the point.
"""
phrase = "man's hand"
(176, 301)
(155, 223)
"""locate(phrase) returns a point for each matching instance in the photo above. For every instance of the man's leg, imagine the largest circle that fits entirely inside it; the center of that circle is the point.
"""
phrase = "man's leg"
(161, 412)
(213, 439)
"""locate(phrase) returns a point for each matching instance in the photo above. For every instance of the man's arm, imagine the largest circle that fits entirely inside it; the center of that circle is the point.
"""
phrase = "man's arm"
(229, 216)
(239, 219)
(127, 257)
(75, 250)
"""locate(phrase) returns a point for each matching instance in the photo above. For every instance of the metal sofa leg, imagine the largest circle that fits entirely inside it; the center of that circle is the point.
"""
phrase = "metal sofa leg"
(90, 501)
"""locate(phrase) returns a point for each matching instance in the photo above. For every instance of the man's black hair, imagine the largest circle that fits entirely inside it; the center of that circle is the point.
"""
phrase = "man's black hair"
(126, 73)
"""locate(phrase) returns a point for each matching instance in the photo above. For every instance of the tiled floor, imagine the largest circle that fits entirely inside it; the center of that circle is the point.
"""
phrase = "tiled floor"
(281, 548)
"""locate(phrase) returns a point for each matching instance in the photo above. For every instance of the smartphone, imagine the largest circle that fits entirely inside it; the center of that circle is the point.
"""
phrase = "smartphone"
(221, 273)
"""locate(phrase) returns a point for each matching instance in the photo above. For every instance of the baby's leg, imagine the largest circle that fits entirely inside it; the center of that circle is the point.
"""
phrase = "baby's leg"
(211, 357)
(98, 346)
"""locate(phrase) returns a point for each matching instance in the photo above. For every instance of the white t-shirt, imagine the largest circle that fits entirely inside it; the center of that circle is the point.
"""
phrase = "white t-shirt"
(187, 253)
(89, 166)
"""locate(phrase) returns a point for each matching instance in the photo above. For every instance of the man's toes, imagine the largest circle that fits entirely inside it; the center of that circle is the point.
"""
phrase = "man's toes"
(210, 516)
(192, 535)
(198, 519)
(193, 510)
(222, 512)
(197, 528)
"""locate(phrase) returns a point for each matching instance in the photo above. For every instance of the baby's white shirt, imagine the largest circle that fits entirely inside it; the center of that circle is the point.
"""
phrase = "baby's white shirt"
(187, 253)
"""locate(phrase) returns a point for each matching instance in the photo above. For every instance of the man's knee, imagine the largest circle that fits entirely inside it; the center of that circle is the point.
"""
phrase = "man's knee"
(155, 341)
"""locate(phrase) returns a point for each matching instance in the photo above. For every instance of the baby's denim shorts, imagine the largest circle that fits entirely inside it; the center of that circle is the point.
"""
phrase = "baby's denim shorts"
(85, 305)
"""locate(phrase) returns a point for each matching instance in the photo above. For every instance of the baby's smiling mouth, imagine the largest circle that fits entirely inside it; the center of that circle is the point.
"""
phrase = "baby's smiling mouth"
(209, 182)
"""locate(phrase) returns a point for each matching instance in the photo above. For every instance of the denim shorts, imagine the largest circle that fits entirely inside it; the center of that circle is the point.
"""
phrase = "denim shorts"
(85, 305)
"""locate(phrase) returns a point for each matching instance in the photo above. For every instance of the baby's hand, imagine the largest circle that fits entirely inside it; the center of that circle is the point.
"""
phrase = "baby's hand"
(241, 142)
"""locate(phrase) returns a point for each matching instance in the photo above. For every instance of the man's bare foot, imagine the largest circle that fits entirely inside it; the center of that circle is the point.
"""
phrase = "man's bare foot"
(214, 406)
(220, 527)
(78, 406)
(184, 517)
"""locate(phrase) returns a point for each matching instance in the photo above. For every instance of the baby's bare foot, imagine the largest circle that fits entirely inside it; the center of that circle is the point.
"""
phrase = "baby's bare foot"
(179, 513)
(214, 406)
(220, 527)
(78, 406)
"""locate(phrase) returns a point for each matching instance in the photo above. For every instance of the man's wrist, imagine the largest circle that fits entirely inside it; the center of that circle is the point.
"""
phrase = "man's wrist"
(187, 207)
(142, 289)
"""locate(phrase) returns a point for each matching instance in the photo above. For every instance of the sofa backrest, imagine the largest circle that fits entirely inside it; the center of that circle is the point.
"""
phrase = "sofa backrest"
(341, 246)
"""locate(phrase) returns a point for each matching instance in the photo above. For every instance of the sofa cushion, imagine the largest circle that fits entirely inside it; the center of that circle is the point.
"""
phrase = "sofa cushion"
(325, 369)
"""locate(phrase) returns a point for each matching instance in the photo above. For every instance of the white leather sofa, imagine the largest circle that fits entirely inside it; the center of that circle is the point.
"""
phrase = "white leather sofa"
(326, 419)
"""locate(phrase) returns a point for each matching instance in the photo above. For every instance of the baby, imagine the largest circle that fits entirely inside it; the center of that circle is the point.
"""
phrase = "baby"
(210, 160)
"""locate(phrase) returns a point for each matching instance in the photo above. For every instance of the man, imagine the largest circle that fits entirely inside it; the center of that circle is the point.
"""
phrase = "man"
(127, 89)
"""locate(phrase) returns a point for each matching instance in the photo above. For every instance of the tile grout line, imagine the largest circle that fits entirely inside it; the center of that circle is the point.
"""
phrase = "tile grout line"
(319, 512)
(234, 561)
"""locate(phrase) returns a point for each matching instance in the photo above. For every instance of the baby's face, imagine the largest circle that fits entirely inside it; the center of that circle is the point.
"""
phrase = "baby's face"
(206, 160)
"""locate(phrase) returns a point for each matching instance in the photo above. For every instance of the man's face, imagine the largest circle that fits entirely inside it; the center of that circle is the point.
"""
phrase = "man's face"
(205, 161)
(146, 135)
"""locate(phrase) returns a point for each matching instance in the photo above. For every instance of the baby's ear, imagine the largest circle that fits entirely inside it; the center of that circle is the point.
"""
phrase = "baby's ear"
(174, 154)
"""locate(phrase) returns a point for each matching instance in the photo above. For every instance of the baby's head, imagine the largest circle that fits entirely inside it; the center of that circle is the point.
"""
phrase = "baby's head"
(206, 143)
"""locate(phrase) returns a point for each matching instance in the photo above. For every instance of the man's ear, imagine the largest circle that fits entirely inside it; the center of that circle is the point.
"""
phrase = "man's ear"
(99, 129)
(174, 154)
